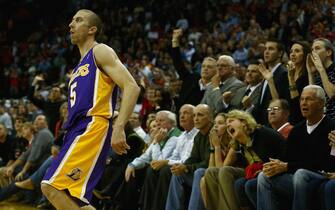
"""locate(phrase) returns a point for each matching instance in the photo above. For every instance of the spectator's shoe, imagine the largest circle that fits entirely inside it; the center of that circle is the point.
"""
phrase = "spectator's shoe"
(8, 191)
(100, 195)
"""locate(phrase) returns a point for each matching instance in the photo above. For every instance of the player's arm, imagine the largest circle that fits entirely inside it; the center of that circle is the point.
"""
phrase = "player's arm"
(107, 59)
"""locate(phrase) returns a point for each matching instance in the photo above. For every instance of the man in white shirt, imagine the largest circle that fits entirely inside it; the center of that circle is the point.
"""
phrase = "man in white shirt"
(156, 186)
(161, 148)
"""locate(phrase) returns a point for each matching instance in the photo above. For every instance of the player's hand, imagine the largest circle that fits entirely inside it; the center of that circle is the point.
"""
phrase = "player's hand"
(118, 141)
(130, 171)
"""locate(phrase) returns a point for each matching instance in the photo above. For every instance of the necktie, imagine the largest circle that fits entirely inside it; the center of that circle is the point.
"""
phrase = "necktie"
(247, 92)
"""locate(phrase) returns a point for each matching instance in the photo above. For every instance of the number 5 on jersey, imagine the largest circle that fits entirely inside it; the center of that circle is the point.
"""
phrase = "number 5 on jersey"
(73, 94)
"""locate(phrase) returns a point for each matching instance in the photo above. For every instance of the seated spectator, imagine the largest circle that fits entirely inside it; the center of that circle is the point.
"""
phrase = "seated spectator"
(329, 187)
(161, 148)
(109, 184)
(6, 119)
(32, 184)
(6, 145)
(157, 182)
(224, 83)
(39, 149)
(308, 148)
(256, 144)
(20, 144)
(278, 114)
(152, 131)
(185, 174)
(219, 140)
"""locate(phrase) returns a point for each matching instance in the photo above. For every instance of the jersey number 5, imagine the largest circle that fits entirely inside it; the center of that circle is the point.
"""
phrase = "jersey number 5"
(73, 94)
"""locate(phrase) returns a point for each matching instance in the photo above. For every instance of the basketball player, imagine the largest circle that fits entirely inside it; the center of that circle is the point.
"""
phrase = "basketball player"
(70, 180)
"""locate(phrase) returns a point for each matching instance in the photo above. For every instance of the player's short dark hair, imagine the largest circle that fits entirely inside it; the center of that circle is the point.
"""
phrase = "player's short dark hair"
(94, 20)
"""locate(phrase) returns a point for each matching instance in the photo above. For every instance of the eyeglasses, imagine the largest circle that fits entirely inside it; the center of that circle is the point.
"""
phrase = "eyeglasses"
(275, 108)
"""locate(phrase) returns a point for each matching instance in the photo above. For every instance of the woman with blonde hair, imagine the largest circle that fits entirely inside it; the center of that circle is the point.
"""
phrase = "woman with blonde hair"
(252, 144)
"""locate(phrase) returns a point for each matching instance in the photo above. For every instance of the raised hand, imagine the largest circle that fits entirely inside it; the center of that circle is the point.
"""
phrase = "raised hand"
(177, 33)
(266, 73)
(317, 62)
(310, 64)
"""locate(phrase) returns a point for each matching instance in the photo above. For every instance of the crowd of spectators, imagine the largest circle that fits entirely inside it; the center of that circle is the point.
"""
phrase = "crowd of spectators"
(254, 56)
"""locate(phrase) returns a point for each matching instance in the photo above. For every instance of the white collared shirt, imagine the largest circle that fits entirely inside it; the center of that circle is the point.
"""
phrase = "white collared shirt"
(252, 88)
(311, 128)
(202, 86)
(184, 147)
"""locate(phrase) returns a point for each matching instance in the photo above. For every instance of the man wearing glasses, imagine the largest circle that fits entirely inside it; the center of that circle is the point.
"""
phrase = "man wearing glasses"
(278, 113)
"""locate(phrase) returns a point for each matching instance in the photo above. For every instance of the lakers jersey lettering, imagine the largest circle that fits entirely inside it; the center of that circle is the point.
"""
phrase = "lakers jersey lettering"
(91, 91)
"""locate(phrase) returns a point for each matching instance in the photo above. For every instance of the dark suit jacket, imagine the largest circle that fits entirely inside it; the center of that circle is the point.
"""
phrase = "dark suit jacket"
(190, 92)
(281, 82)
(236, 101)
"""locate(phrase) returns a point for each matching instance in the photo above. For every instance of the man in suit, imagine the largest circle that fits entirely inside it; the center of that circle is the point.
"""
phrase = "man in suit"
(276, 76)
(224, 83)
(193, 86)
(247, 97)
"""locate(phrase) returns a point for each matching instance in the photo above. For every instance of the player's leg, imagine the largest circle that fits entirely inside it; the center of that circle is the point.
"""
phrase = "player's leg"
(59, 199)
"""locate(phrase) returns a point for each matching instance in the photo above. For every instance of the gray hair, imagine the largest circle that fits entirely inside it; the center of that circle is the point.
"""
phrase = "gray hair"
(228, 58)
(319, 92)
(328, 45)
(172, 117)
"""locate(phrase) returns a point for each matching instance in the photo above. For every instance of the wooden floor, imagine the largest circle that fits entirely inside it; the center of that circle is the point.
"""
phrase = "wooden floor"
(14, 206)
